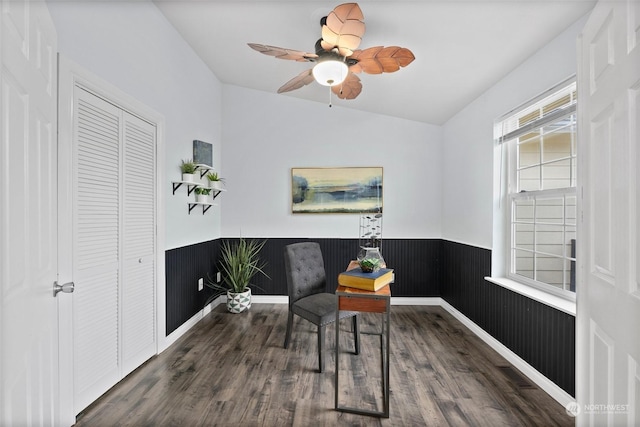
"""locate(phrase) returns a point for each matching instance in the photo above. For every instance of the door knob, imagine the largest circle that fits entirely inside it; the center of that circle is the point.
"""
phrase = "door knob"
(67, 288)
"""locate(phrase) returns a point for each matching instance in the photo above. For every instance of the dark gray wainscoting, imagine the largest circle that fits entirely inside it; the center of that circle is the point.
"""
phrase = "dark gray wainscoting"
(416, 262)
(542, 336)
(183, 267)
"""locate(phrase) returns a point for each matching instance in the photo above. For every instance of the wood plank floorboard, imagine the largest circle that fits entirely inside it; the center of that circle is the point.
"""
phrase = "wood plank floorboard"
(231, 370)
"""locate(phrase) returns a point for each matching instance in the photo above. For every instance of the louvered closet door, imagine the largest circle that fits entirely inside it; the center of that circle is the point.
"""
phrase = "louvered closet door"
(96, 248)
(114, 246)
(138, 289)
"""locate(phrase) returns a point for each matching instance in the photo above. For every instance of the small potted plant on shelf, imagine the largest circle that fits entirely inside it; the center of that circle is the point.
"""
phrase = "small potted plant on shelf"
(188, 168)
(215, 181)
(202, 194)
(240, 262)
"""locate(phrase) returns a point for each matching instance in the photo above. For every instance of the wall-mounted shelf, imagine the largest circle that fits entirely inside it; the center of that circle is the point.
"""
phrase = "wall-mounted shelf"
(204, 169)
(192, 185)
(206, 206)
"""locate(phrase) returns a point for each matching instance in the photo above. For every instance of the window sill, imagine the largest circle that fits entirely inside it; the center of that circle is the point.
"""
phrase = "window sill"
(556, 302)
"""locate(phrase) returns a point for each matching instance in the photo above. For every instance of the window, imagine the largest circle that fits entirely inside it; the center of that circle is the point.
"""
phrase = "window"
(538, 141)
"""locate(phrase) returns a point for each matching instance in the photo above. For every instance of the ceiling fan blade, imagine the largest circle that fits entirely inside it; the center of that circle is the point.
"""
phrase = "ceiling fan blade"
(343, 29)
(349, 89)
(302, 79)
(283, 53)
(379, 59)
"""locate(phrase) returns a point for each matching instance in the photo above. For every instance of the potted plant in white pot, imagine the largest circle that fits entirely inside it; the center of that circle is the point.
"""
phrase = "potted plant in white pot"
(240, 262)
(187, 168)
(202, 194)
(215, 181)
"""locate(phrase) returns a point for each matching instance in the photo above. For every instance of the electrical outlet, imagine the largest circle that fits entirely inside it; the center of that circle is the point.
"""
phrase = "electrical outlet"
(200, 284)
(218, 277)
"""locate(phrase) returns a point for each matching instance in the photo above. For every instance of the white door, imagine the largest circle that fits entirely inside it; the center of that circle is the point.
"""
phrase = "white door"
(28, 217)
(138, 243)
(96, 247)
(608, 297)
(108, 187)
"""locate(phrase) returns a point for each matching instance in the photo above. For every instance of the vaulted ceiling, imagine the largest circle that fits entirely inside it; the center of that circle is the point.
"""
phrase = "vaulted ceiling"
(462, 47)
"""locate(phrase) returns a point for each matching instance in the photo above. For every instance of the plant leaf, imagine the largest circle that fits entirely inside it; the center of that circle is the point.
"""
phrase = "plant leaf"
(240, 262)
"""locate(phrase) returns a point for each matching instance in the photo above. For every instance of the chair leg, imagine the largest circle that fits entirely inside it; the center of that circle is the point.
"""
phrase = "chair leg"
(356, 334)
(321, 330)
(287, 337)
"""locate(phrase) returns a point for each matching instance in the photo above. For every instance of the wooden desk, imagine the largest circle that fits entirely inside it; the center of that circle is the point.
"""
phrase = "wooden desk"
(352, 299)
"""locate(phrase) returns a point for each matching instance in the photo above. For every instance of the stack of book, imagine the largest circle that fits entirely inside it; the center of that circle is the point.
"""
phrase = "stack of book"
(355, 278)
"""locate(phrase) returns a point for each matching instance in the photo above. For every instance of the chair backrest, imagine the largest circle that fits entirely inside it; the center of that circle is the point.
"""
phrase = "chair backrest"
(304, 267)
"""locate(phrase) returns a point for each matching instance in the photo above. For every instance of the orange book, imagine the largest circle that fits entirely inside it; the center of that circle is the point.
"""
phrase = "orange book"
(355, 278)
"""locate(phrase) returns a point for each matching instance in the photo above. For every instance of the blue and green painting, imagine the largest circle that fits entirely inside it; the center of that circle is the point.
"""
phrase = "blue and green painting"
(336, 190)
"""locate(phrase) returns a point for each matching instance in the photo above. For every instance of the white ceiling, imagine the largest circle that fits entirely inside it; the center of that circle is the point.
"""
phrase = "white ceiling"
(462, 48)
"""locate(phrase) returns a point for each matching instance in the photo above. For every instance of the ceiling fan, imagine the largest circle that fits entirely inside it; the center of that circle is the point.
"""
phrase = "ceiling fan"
(337, 56)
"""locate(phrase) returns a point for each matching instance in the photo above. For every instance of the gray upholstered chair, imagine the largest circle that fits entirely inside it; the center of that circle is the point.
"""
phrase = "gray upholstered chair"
(306, 285)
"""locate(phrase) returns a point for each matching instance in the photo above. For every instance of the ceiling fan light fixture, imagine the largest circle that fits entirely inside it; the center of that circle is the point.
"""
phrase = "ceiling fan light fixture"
(330, 72)
(337, 58)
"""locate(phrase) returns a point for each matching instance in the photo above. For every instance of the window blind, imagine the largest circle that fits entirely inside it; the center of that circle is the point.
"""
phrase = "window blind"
(538, 113)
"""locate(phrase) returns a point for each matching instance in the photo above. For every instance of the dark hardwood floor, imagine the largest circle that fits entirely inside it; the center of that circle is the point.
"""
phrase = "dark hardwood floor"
(231, 370)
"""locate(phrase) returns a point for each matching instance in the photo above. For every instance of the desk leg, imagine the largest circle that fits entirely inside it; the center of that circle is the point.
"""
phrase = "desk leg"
(385, 359)
(337, 373)
(384, 351)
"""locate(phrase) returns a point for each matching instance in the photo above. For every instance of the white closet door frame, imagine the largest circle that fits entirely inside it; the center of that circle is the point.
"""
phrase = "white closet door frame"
(72, 75)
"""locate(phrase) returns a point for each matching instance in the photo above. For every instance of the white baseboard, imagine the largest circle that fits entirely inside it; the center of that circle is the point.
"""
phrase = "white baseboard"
(269, 299)
(541, 381)
(184, 328)
(561, 396)
(416, 301)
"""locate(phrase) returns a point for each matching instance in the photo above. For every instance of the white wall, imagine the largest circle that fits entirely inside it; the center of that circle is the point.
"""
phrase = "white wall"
(262, 135)
(468, 200)
(438, 181)
(132, 46)
(266, 134)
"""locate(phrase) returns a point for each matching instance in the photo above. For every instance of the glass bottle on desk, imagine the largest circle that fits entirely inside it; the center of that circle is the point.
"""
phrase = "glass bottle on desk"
(370, 259)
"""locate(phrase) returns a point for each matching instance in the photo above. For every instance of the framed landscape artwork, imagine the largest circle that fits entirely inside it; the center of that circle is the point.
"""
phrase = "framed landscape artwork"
(336, 190)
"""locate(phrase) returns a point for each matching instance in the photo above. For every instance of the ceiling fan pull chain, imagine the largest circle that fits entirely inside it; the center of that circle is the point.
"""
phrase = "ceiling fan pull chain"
(330, 97)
